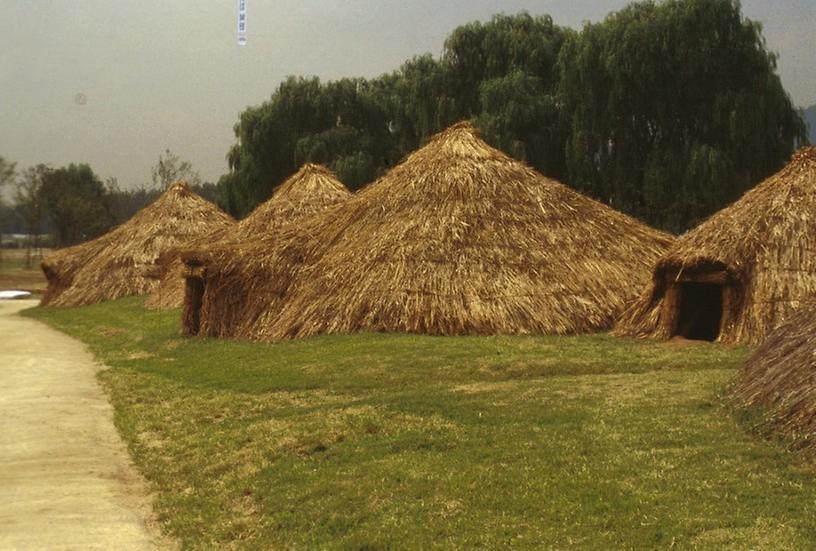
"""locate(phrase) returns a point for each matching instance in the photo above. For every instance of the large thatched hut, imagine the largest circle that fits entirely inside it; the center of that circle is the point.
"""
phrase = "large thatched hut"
(123, 262)
(739, 274)
(457, 239)
(310, 191)
(779, 380)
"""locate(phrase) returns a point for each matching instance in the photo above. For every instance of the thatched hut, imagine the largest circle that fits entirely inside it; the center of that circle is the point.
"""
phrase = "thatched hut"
(124, 261)
(739, 274)
(168, 292)
(457, 239)
(779, 380)
(308, 192)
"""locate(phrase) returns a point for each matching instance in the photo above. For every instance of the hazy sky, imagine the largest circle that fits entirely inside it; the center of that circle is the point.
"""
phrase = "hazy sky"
(115, 82)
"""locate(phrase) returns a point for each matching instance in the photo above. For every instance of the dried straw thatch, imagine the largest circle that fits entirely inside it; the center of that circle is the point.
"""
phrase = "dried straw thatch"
(738, 275)
(125, 261)
(780, 379)
(310, 191)
(458, 239)
(169, 291)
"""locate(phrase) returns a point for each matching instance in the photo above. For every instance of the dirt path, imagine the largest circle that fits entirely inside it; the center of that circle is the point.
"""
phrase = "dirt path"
(66, 481)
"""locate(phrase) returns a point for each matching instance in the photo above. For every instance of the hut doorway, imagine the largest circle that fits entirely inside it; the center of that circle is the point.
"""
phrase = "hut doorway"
(699, 310)
(194, 291)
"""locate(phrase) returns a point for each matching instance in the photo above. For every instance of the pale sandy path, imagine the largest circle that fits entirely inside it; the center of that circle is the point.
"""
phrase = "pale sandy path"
(66, 481)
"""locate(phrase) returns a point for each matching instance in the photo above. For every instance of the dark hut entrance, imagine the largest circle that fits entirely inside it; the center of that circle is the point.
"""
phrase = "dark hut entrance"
(193, 299)
(700, 311)
(697, 303)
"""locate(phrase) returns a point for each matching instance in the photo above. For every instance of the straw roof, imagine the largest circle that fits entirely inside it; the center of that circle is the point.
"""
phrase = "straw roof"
(779, 379)
(764, 244)
(458, 239)
(124, 261)
(168, 292)
(310, 190)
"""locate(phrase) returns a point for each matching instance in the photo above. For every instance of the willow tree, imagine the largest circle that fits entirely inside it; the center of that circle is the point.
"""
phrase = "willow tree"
(479, 52)
(505, 75)
(673, 109)
(305, 120)
(504, 71)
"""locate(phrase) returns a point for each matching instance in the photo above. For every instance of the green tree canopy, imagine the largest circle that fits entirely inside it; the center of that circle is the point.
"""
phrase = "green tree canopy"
(75, 200)
(29, 205)
(666, 111)
(480, 52)
(673, 109)
(336, 124)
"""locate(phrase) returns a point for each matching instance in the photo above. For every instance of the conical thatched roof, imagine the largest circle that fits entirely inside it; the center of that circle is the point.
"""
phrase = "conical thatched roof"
(123, 262)
(458, 239)
(310, 190)
(779, 379)
(762, 249)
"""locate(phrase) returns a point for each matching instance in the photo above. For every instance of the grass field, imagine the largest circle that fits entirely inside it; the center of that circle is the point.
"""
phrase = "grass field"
(401, 441)
(16, 273)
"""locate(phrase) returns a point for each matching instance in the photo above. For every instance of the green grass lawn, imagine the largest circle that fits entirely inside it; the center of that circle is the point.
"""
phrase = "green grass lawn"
(400, 441)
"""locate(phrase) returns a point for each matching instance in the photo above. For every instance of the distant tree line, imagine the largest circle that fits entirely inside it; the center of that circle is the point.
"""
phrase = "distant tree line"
(72, 204)
(666, 111)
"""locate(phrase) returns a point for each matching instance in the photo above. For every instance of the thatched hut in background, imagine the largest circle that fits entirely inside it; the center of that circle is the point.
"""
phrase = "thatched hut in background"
(168, 292)
(779, 380)
(740, 274)
(61, 265)
(123, 261)
(308, 192)
(457, 239)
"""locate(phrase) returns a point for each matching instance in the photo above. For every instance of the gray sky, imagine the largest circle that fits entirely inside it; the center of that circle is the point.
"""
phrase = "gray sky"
(159, 74)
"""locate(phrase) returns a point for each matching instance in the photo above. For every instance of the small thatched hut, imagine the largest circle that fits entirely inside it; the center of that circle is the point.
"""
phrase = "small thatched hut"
(124, 261)
(457, 239)
(307, 193)
(169, 291)
(310, 190)
(738, 275)
(779, 379)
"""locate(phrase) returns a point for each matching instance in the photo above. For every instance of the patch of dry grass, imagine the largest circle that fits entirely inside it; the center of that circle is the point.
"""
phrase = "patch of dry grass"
(16, 272)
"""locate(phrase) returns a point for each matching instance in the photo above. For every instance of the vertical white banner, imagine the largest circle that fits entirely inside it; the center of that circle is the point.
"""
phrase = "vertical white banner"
(242, 38)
